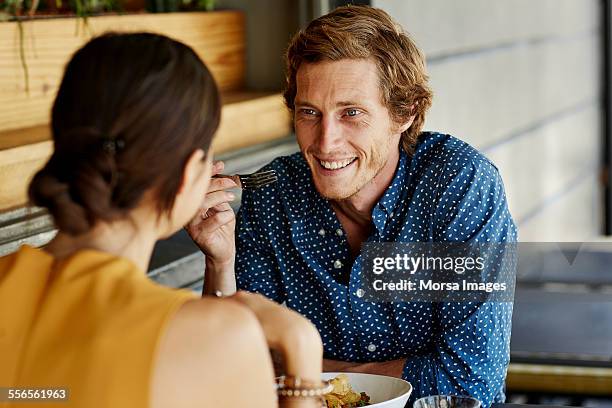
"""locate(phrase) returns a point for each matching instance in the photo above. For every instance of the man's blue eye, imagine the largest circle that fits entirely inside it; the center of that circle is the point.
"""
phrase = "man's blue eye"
(352, 112)
(309, 111)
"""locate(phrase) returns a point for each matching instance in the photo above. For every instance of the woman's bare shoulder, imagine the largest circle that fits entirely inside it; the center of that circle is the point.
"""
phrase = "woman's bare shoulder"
(214, 351)
(211, 312)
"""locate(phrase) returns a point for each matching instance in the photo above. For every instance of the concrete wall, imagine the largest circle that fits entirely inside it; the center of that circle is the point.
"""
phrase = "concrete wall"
(270, 25)
(520, 80)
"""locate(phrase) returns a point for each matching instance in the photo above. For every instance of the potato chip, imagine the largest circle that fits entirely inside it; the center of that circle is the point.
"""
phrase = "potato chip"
(343, 396)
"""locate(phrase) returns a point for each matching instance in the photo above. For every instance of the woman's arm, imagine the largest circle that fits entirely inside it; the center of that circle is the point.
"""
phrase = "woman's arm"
(289, 333)
(215, 353)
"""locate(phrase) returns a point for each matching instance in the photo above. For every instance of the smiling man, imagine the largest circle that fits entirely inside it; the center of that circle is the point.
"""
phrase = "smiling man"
(357, 88)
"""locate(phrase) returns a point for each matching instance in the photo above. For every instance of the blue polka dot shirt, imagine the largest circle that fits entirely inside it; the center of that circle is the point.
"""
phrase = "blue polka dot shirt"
(292, 248)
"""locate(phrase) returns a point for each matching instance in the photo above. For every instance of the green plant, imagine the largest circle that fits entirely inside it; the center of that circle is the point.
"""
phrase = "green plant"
(10, 9)
(169, 6)
(207, 5)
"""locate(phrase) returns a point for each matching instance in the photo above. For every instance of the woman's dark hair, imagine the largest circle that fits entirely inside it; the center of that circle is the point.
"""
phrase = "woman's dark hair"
(129, 112)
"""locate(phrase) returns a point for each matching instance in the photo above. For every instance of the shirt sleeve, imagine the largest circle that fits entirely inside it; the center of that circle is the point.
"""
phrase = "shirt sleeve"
(256, 265)
(472, 350)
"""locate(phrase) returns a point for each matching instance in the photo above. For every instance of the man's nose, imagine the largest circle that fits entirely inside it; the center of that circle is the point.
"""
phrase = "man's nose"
(330, 136)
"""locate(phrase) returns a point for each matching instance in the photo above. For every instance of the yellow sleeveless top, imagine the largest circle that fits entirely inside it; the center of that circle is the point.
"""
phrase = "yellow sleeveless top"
(89, 323)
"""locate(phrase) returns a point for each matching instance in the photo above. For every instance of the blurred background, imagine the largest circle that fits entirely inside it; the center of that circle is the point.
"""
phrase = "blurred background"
(527, 82)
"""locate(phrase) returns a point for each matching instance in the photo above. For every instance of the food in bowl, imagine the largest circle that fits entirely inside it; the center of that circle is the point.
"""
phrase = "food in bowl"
(343, 396)
(384, 391)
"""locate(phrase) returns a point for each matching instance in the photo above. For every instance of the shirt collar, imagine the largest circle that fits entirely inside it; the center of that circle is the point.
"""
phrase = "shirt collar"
(389, 199)
(383, 210)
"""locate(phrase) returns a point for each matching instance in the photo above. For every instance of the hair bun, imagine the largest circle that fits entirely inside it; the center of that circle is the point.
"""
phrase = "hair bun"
(46, 190)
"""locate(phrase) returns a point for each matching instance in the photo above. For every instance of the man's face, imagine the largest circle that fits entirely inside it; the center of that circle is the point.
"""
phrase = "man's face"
(343, 129)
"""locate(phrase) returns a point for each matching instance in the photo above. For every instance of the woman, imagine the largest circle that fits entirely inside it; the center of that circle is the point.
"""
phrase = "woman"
(132, 125)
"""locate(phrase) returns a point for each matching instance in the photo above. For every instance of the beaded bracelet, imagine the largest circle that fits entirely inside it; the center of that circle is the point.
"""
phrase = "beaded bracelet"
(293, 386)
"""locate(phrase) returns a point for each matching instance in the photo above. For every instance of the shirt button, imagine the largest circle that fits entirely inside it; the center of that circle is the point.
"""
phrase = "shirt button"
(371, 348)
(322, 232)
(339, 232)
(360, 293)
(337, 264)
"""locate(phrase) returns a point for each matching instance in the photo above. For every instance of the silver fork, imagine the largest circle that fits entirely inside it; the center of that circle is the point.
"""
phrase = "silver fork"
(254, 180)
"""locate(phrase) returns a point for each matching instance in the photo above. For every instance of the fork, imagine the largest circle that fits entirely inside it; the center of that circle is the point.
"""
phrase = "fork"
(253, 180)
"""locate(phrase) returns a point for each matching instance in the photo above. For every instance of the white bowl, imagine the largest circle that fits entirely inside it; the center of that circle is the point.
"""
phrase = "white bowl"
(384, 391)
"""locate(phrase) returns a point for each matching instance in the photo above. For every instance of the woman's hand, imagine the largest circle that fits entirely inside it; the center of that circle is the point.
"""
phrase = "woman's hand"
(212, 229)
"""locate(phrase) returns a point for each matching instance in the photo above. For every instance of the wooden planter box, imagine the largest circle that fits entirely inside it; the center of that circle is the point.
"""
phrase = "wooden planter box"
(217, 37)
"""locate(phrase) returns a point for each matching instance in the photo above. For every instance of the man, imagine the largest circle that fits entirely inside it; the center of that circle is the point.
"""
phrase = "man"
(357, 88)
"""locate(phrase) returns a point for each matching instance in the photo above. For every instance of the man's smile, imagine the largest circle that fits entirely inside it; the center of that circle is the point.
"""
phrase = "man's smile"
(335, 165)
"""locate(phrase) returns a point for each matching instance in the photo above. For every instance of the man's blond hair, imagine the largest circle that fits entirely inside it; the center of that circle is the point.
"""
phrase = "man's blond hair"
(362, 32)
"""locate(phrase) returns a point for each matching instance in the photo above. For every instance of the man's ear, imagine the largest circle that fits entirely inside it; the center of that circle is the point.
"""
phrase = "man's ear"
(406, 125)
(192, 170)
